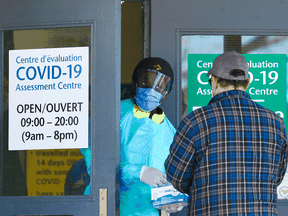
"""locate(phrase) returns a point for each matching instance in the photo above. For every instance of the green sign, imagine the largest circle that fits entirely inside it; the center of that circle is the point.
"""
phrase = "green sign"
(267, 74)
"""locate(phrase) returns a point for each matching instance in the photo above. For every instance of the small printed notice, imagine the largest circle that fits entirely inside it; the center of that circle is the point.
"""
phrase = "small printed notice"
(47, 170)
(48, 98)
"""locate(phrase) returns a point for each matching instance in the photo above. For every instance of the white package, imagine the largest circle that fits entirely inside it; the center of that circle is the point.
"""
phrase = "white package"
(167, 196)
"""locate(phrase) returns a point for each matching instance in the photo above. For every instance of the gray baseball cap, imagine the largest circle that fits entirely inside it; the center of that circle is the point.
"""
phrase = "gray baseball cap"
(227, 62)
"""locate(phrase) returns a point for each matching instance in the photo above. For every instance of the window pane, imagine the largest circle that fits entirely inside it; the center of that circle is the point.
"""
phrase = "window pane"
(45, 171)
(268, 74)
(197, 44)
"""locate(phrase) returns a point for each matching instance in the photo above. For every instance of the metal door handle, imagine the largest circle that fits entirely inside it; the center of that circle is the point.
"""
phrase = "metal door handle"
(103, 202)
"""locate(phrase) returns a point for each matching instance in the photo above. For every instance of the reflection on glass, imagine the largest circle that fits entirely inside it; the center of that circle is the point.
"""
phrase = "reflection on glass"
(196, 44)
(42, 172)
(217, 44)
(212, 44)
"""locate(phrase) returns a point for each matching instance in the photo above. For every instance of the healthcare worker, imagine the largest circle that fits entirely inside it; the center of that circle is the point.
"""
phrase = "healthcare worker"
(146, 136)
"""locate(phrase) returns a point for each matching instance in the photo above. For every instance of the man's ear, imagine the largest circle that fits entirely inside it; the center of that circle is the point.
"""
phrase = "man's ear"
(213, 78)
(248, 83)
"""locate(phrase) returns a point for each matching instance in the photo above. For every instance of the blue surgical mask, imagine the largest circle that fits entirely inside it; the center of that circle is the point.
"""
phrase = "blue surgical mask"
(148, 99)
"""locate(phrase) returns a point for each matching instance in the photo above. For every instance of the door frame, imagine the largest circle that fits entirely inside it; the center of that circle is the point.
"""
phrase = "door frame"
(104, 18)
(171, 19)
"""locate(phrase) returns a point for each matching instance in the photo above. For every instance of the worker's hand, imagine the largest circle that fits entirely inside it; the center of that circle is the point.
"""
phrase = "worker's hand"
(152, 176)
(172, 209)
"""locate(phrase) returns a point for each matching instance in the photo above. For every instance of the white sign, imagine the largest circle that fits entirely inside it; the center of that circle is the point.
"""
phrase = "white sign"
(48, 98)
(282, 189)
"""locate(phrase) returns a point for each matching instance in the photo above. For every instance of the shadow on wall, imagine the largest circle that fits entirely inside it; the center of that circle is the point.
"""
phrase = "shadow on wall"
(126, 90)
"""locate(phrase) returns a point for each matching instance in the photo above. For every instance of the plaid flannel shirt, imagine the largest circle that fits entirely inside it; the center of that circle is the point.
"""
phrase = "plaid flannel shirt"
(229, 156)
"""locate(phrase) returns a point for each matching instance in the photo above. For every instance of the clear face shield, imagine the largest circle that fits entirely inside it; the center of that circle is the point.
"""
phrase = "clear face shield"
(152, 86)
(154, 80)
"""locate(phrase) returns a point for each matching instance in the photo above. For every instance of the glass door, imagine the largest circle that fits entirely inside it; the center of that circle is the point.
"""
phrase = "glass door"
(31, 166)
(267, 59)
(210, 28)
(58, 132)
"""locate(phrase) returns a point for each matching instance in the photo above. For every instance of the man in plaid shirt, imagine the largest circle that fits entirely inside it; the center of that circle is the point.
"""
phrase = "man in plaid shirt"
(230, 155)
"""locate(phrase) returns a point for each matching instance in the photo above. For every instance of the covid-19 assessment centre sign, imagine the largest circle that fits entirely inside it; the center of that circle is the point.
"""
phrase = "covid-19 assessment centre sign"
(48, 98)
(267, 87)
